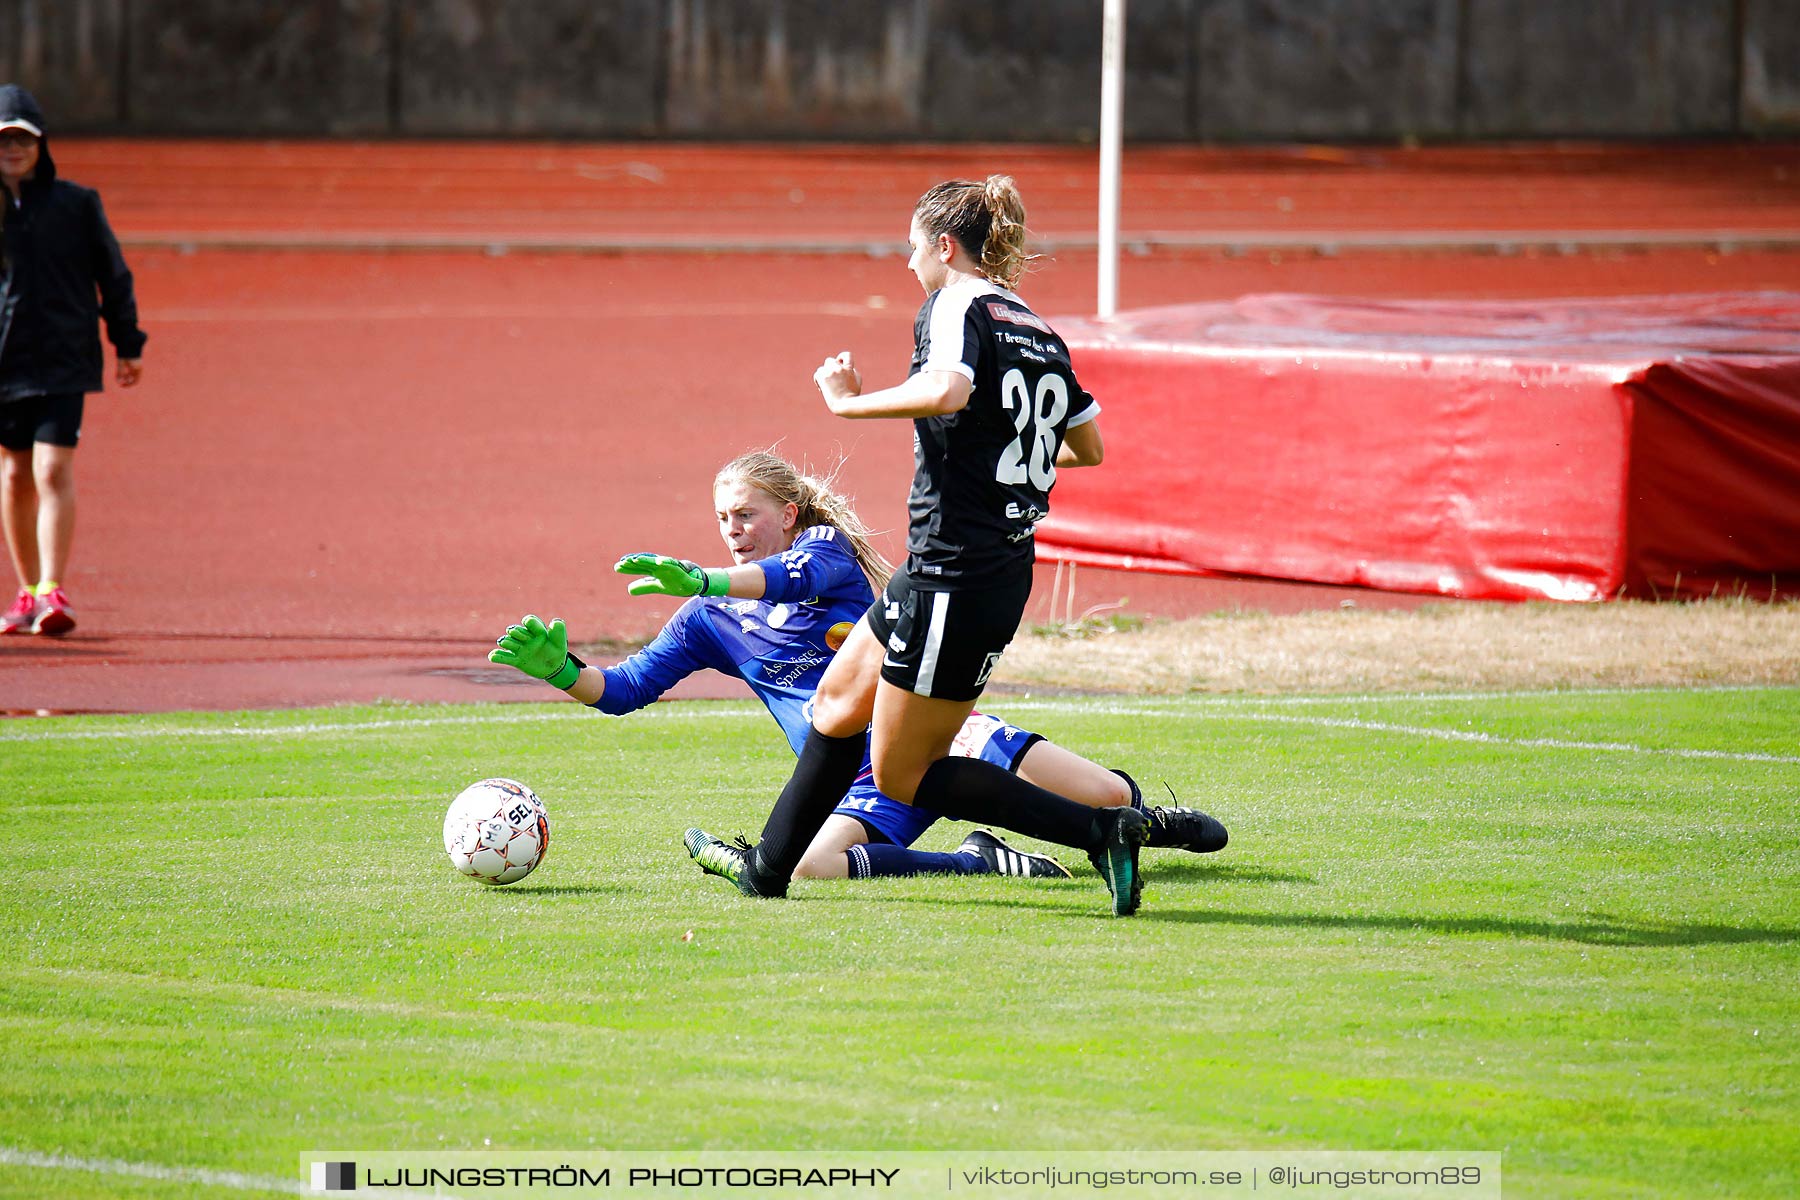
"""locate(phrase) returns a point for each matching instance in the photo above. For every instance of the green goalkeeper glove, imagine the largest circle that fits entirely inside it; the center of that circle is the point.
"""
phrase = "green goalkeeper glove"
(665, 576)
(539, 650)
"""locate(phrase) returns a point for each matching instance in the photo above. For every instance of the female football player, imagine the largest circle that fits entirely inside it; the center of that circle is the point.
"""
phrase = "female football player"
(996, 411)
(803, 573)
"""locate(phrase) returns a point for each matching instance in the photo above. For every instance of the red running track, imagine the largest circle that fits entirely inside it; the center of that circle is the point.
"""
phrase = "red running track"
(859, 195)
(346, 472)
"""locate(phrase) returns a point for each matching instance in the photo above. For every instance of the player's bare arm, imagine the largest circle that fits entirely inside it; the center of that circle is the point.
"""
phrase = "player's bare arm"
(1082, 447)
(926, 394)
(589, 686)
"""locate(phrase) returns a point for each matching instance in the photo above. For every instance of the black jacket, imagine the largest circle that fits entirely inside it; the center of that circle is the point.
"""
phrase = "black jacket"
(62, 273)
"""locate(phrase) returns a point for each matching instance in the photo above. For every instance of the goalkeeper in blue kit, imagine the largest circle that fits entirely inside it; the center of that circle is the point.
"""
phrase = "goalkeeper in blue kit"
(804, 573)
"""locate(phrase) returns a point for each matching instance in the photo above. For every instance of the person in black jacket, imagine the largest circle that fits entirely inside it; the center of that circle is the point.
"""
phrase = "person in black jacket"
(62, 273)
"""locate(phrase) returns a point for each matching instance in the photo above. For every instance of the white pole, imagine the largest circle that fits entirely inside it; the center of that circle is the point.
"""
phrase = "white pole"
(1112, 107)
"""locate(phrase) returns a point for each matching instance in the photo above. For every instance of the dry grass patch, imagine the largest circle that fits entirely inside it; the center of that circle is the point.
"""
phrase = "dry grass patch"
(1437, 647)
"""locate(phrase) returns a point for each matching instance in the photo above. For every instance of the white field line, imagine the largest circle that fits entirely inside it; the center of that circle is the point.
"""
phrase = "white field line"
(1098, 703)
(232, 1180)
(1219, 713)
(255, 994)
(1471, 735)
(1211, 708)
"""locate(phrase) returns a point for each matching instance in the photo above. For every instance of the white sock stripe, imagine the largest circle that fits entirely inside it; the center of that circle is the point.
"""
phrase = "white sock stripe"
(934, 642)
(859, 862)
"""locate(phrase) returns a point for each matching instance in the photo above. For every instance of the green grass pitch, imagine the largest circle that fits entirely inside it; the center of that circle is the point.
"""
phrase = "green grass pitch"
(1561, 926)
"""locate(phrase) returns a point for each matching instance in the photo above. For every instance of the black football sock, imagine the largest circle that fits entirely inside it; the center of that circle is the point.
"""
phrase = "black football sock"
(967, 789)
(1156, 832)
(826, 769)
(1137, 796)
(873, 861)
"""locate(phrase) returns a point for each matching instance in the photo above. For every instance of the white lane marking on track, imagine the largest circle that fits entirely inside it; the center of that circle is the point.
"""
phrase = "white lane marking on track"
(232, 1180)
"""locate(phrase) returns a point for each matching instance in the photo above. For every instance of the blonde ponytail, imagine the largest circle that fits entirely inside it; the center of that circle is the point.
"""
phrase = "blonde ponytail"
(817, 502)
(1003, 257)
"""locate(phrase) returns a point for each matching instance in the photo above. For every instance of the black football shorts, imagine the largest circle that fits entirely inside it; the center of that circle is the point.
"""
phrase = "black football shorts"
(944, 644)
(52, 419)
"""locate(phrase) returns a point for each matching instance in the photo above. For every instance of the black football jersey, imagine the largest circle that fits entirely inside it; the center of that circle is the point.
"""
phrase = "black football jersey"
(982, 476)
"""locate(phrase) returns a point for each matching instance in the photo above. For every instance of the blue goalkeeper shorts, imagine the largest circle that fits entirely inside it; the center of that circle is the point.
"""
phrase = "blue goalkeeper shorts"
(988, 738)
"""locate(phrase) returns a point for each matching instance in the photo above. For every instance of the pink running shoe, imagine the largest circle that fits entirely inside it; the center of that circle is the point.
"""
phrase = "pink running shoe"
(19, 618)
(54, 617)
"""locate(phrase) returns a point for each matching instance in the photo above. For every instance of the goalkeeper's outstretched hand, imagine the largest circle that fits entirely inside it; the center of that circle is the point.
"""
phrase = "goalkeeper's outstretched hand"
(665, 576)
(539, 650)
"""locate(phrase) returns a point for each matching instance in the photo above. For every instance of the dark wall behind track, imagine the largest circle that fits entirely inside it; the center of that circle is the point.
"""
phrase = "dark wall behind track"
(1216, 70)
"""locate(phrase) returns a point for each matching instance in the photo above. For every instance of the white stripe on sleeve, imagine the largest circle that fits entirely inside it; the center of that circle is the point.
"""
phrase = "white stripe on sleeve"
(1084, 416)
(944, 343)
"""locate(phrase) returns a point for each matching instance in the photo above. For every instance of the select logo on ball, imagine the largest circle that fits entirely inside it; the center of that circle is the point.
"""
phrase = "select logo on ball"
(496, 831)
(838, 634)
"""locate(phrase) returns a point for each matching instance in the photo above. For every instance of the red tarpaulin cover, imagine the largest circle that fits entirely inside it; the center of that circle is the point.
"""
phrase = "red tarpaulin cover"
(1569, 449)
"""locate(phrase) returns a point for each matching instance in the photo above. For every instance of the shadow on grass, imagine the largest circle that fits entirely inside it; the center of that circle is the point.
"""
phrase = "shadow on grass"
(567, 889)
(1189, 870)
(1595, 930)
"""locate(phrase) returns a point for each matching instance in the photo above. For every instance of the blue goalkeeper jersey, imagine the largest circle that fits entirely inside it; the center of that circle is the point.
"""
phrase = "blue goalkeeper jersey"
(780, 645)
